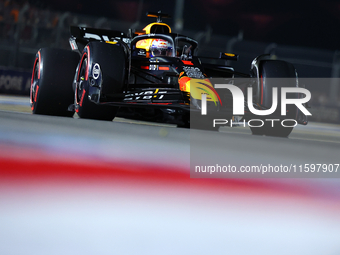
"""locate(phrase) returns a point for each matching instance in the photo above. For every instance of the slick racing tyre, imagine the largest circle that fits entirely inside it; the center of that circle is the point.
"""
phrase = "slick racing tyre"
(51, 85)
(270, 74)
(111, 62)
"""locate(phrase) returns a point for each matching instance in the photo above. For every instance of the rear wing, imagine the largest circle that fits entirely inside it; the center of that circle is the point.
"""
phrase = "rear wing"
(80, 36)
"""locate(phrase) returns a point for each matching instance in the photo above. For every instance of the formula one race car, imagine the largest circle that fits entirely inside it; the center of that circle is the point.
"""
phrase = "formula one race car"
(154, 75)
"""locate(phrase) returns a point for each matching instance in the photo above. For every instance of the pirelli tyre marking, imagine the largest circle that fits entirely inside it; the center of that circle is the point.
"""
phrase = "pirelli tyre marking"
(96, 71)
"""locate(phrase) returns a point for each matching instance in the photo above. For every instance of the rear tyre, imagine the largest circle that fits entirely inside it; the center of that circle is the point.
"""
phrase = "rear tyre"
(84, 107)
(51, 85)
(113, 73)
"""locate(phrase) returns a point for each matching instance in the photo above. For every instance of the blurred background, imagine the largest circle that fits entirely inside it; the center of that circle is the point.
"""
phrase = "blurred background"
(302, 32)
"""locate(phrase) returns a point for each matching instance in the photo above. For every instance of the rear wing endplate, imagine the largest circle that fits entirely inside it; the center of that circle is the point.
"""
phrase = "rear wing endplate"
(96, 34)
(83, 35)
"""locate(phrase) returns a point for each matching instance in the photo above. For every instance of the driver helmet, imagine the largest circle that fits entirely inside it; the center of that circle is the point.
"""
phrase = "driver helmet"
(160, 47)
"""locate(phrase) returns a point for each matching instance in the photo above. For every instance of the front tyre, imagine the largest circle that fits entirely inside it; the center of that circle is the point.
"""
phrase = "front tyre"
(271, 74)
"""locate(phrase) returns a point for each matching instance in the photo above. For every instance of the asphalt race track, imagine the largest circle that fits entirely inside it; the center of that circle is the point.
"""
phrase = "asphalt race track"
(143, 140)
(74, 186)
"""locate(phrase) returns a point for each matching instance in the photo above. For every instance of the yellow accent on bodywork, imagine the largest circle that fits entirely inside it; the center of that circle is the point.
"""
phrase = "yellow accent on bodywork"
(110, 42)
(144, 44)
(229, 54)
(147, 29)
(197, 87)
